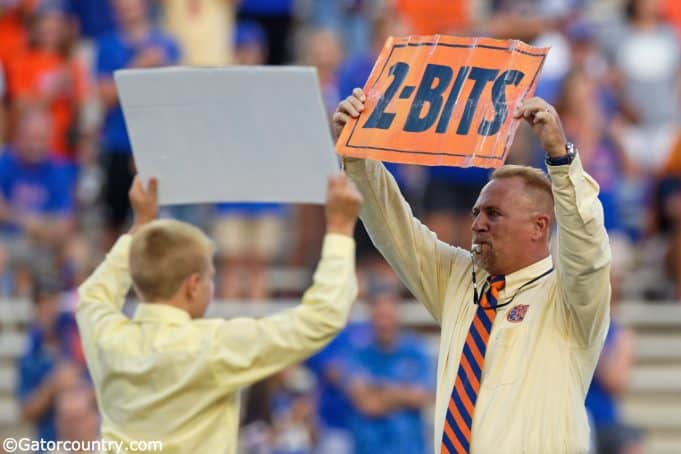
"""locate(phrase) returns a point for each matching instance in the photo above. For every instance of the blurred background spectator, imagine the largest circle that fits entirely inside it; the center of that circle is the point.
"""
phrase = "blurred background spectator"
(47, 74)
(66, 166)
(429, 17)
(323, 49)
(277, 18)
(645, 54)
(77, 419)
(92, 18)
(332, 367)
(611, 379)
(280, 414)
(202, 28)
(134, 43)
(390, 381)
(53, 362)
(36, 208)
(349, 19)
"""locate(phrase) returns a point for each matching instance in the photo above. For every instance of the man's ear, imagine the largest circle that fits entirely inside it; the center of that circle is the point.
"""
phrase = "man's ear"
(542, 224)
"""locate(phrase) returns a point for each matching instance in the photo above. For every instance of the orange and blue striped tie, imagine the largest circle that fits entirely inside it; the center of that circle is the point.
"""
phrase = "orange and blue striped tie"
(456, 437)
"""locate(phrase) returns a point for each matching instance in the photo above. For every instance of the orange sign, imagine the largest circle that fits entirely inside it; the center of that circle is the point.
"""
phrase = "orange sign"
(443, 100)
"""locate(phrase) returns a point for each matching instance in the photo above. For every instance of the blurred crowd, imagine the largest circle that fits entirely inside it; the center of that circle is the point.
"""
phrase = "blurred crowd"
(66, 165)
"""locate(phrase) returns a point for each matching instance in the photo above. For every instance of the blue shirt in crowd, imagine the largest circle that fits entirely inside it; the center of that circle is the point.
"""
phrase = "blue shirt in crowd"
(36, 189)
(267, 7)
(95, 17)
(115, 51)
(402, 431)
(354, 73)
(335, 408)
(38, 362)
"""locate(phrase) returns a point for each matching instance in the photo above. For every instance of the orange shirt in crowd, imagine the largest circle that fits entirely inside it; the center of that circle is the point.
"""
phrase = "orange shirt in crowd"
(13, 32)
(671, 10)
(13, 37)
(429, 17)
(31, 78)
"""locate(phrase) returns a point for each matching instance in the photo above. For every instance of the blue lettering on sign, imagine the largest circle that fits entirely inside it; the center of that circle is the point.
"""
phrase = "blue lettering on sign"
(434, 83)
(443, 125)
(380, 119)
(482, 77)
(431, 94)
(510, 77)
(407, 92)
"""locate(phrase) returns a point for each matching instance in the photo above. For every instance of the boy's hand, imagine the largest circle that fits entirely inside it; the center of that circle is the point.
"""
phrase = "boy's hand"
(343, 202)
(144, 202)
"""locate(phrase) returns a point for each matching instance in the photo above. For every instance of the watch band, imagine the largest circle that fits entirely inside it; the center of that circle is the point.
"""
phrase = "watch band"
(567, 158)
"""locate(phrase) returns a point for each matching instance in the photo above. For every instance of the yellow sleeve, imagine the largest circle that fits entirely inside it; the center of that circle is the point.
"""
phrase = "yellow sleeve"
(247, 350)
(583, 254)
(424, 263)
(102, 295)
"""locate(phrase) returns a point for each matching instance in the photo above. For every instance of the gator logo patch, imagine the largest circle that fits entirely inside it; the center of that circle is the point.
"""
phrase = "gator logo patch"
(517, 313)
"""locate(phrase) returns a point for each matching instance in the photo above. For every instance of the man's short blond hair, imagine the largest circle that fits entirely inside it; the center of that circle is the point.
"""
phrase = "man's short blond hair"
(533, 179)
(163, 254)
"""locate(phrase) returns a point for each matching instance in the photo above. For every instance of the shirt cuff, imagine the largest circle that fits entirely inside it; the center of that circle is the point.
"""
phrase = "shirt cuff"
(562, 173)
(336, 245)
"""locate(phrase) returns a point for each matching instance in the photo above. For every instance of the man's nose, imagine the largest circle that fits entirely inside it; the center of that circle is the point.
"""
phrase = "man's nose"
(479, 224)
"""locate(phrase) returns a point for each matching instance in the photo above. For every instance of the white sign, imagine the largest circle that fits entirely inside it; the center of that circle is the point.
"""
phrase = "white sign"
(236, 134)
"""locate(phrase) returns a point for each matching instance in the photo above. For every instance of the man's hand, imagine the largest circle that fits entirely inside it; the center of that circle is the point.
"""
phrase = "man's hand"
(546, 124)
(343, 202)
(351, 107)
(144, 202)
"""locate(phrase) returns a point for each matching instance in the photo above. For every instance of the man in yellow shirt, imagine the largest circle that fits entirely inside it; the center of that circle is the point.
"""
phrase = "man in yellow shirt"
(167, 374)
(519, 340)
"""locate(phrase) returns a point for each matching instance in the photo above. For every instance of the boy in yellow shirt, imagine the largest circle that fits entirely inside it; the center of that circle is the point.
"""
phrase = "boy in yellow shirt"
(169, 375)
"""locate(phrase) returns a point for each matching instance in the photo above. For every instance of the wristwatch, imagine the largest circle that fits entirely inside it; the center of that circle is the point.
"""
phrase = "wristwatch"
(567, 158)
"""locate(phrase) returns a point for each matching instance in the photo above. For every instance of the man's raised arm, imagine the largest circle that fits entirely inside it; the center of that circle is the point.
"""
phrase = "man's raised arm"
(583, 248)
(424, 263)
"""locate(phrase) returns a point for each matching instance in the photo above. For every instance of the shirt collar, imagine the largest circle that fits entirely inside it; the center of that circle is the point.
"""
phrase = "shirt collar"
(518, 278)
(160, 313)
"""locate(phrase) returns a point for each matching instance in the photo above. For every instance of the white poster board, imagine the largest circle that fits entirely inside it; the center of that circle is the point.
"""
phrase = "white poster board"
(236, 134)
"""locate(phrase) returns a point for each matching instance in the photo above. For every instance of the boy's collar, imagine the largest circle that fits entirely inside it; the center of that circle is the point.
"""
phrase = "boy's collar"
(161, 313)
